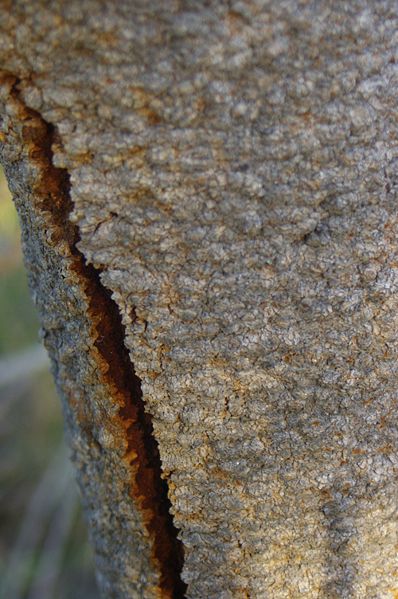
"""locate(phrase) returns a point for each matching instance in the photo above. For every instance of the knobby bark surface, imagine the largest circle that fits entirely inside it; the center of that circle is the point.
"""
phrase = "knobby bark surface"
(208, 198)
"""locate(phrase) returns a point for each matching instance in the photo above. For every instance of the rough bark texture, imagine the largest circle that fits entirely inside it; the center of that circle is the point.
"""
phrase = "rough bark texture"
(227, 171)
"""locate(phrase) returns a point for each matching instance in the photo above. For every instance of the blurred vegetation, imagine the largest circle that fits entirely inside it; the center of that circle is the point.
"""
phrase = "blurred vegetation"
(44, 553)
(18, 318)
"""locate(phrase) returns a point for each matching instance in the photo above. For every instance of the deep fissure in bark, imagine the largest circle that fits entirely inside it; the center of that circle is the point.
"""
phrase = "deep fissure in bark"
(148, 488)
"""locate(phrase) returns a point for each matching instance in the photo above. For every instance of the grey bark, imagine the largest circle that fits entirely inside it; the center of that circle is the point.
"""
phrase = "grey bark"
(227, 171)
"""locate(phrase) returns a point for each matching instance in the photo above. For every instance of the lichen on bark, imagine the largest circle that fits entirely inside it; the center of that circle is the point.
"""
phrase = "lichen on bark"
(232, 170)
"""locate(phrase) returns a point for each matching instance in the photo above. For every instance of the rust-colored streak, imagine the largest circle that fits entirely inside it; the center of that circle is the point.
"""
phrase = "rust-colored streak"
(148, 489)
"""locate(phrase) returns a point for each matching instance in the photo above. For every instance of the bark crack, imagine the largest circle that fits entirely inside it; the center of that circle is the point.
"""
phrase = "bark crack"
(148, 489)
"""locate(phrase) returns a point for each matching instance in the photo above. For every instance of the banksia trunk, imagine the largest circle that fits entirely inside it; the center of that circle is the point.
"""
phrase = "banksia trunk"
(207, 192)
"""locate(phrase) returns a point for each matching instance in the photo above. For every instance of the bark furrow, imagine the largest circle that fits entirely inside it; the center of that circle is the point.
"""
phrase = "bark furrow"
(149, 490)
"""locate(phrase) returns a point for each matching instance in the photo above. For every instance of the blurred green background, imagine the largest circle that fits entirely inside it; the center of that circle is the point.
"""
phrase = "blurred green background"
(44, 553)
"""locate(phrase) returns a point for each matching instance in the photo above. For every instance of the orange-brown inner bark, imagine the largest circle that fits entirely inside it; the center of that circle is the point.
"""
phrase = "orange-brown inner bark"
(148, 489)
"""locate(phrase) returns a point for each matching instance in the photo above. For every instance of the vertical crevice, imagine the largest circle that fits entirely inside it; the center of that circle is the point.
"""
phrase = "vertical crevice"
(148, 489)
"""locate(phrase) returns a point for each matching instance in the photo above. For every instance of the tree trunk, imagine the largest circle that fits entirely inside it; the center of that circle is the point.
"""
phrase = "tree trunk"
(207, 191)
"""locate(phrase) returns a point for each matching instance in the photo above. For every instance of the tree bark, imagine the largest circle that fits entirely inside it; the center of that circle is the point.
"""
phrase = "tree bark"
(208, 199)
